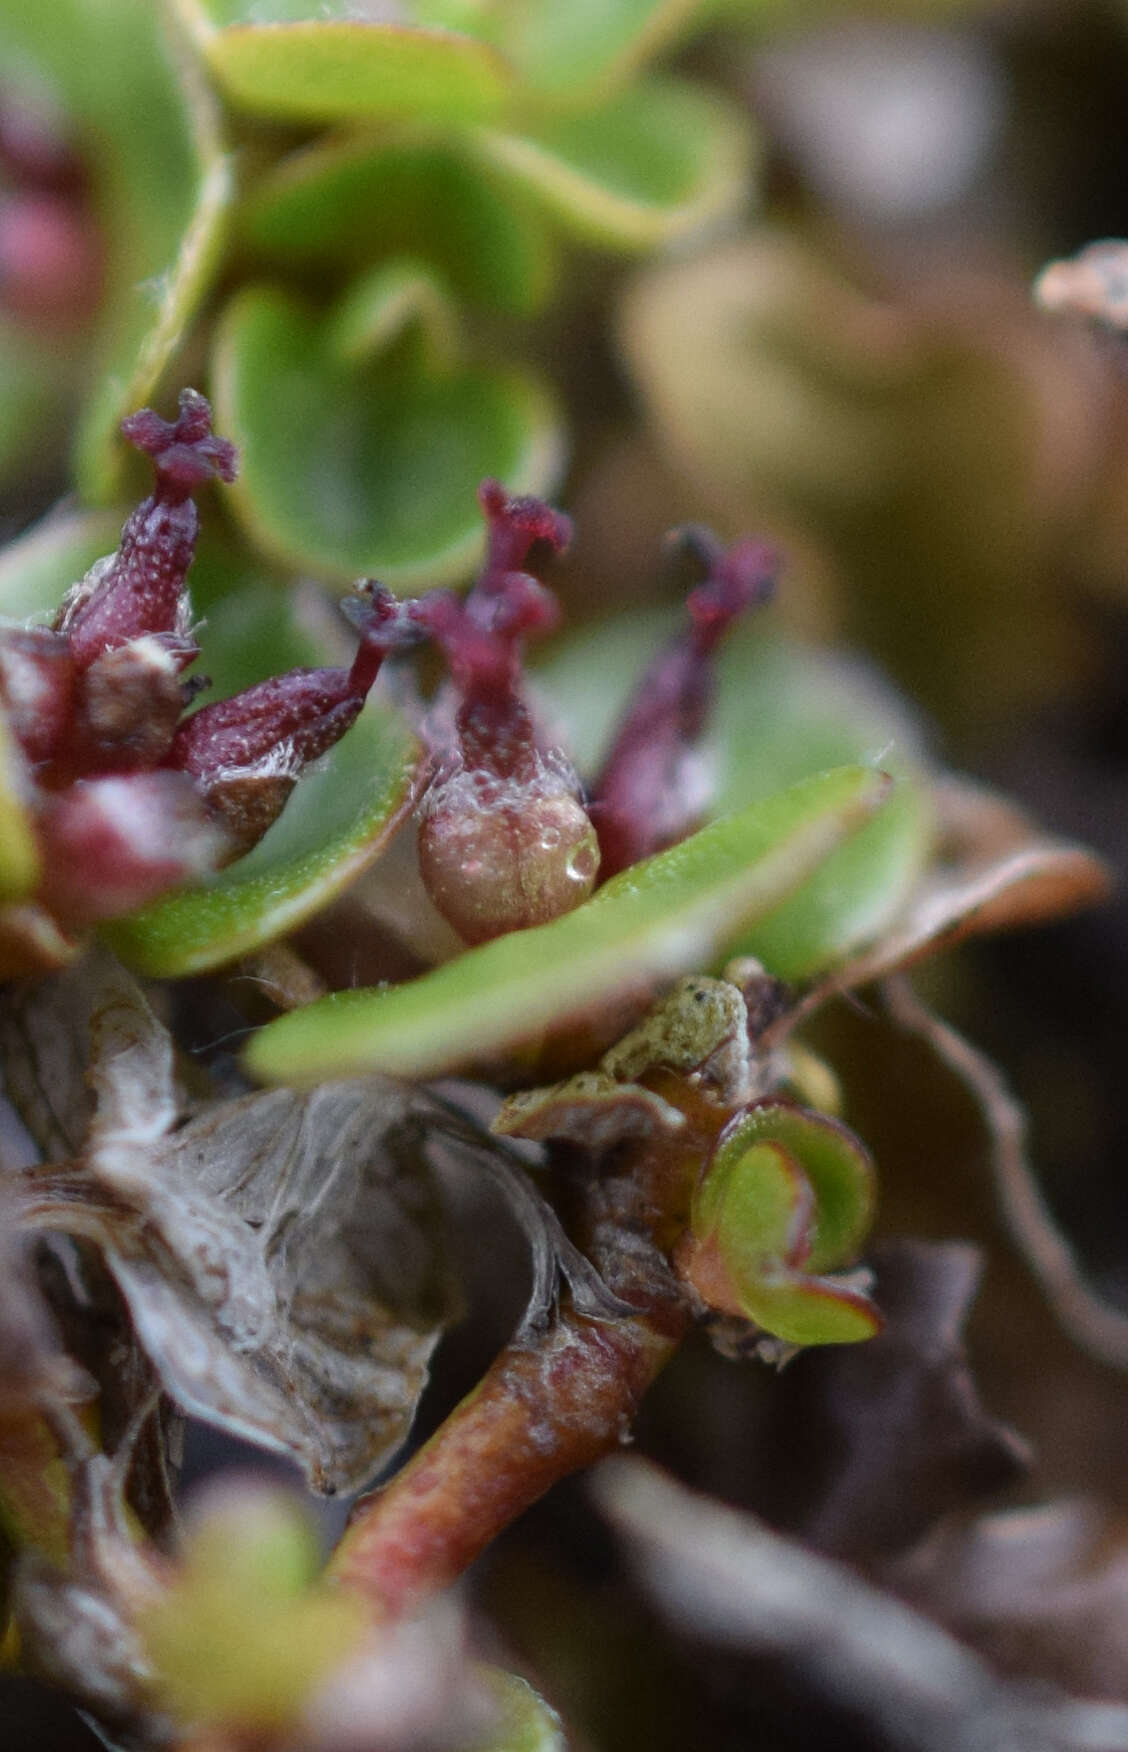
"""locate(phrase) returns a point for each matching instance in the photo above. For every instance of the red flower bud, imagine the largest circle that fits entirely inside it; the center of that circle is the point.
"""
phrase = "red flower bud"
(504, 840)
(652, 790)
(142, 588)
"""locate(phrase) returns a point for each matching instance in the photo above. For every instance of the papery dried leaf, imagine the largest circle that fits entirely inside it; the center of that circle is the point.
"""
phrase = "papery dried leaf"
(721, 1578)
(994, 868)
(1043, 1592)
(276, 1252)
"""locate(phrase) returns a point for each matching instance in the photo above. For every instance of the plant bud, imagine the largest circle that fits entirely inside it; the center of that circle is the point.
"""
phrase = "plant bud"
(652, 791)
(143, 587)
(130, 702)
(504, 839)
(499, 855)
(37, 685)
(111, 845)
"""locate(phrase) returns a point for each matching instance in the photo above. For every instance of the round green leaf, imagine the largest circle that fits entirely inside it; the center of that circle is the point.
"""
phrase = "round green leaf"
(302, 61)
(148, 130)
(354, 199)
(754, 1203)
(335, 823)
(653, 162)
(373, 468)
(673, 912)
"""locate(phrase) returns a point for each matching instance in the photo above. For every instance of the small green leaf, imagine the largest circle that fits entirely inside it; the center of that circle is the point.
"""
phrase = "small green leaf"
(298, 60)
(369, 469)
(756, 1202)
(654, 162)
(673, 912)
(354, 199)
(524, 1722)
(834, 1161)
(336, 822)
(161, 185)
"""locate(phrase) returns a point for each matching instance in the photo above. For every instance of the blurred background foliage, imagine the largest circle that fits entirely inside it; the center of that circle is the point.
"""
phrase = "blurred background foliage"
(763, 263)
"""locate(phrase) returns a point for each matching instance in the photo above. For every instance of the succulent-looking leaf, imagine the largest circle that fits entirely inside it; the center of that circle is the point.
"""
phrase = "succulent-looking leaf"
(782, 712)
(679, 909)
(654, 162)
(276, 1252)
(368, 469)
(161, 203)
(355, 198)
(299, 61)
(386, 301)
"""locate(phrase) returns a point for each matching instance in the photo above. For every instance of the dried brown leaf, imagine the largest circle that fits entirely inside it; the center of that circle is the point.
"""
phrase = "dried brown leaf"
(277, 1252)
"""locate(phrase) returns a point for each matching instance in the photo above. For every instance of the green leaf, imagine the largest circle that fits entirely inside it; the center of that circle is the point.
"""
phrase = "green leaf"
(373, 468)
(385, 303)
(803, 1310)
(655, 162)
(337, 820)
(354, 199)
(298, 60)
(590, 44)
(524, 1722)
(161, 184)
(782, 712)
(834, 1161)
(673, 912)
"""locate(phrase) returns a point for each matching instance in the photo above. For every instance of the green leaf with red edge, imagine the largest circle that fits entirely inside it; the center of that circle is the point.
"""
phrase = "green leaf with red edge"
(337, 820)
(356, 198)
(782, 711)
(368, 467)
(298, 60)
(787, 1194)
(149, 134)
(654, 162)
(674, 912)
(835, 1162)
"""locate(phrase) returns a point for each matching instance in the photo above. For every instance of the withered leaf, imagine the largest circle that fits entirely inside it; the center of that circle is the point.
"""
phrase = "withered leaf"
(1042, 1591)
(722, 1579)
(277, 1252)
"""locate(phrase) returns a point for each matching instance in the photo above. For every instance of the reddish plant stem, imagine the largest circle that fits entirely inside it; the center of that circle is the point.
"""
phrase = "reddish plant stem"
(544, 1409)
